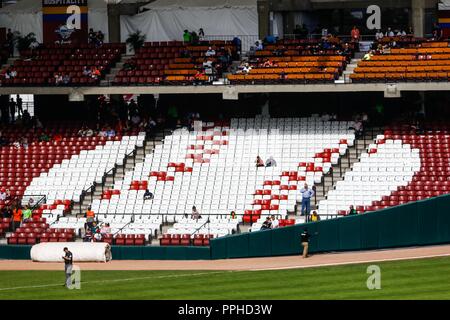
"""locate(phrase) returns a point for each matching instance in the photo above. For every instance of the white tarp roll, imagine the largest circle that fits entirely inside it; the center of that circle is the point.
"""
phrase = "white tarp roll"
(82, 251)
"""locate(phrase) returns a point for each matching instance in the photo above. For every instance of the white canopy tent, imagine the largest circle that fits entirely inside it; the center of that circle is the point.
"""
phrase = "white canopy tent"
(165, 20)
(26, 16)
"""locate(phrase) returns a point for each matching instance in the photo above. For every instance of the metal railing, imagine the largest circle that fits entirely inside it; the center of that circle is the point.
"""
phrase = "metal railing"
(247, 41)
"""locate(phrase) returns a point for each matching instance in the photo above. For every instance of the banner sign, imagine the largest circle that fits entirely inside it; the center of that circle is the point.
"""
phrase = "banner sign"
(65, 21)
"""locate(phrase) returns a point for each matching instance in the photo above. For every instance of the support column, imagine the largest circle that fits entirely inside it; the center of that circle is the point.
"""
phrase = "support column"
(114, 23)
(418, 17)
(263, 18)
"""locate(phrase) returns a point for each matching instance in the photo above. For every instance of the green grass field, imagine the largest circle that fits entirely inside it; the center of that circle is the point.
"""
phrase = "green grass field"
(412, 279)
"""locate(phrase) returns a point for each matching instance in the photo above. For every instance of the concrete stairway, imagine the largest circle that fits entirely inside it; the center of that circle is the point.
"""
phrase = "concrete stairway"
(119, 172)
(346, 164)
(350, 70)
(114, 70)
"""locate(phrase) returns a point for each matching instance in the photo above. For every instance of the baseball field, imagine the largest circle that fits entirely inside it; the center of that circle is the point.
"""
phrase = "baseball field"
(407, 279)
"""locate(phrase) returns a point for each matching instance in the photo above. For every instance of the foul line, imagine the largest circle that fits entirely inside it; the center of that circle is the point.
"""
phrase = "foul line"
(119, 280)
(350, 262)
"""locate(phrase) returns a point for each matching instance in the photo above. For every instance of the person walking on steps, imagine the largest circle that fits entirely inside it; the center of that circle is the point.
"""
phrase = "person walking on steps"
(306, 199)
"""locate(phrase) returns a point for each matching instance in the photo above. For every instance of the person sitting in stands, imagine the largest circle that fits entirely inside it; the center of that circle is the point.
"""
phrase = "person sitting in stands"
(368, 56)
(86, 71)
(148, 195)
(98, 236)
(106, 229)
(259, 46)
(268, 64)
(271, 162)
(259, 162)
(266, 224)
(103, 133)
(57, 138)
(3, 194)
(233, 215)
(58, 79)
(195, 214)
(110, 133)
(92, 36)
(44, 137)
(379, 35)
(352, 211)
(275, 223)
(95, 73)
(66, 79)
(100, 37)
(211, 52)
(88, 236)
(315, 217)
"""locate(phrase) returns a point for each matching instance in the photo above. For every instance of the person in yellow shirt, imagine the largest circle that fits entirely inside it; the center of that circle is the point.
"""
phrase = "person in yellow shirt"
(315, 217)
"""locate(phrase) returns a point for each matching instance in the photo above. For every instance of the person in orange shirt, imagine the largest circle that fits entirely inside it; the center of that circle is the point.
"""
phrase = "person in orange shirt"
(17, 217)
(90, 215)
(355, 34)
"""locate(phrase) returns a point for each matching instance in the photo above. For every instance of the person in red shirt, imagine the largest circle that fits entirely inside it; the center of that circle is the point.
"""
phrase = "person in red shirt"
(355, 34)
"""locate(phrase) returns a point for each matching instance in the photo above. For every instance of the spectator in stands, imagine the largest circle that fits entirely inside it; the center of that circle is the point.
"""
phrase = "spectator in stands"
(194, 37)
(401, 33)
(201, 34)
(187, 36)
(238, 44)
(270, 39)
(315, 217)
(16, 144)
(3, 194)
(90, 216)
(24, 142)
(110, 132)
(27, 213)
(233, 215)
(93, 228)
(17, 217)
(274, 222)
(283, 76)
(100, 38)
(267, 224)
(355, 34)
(57, 138)
(195, 214)
(307, 194)
(259, 162)
(210, 52)
(258, 46)
(66, 79)
(390, 33)
(98, 235)
(106, 229)
(44, 137)
(271, 162)
(437, 31)
(7, 212)
(368, 55)
(379, 35)
(86, 71)
(103, 133)
(3, 140)
(88, 236)
(92, 36)
(58, 79)
(95, 72)
(148, 195)
(352, 211)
